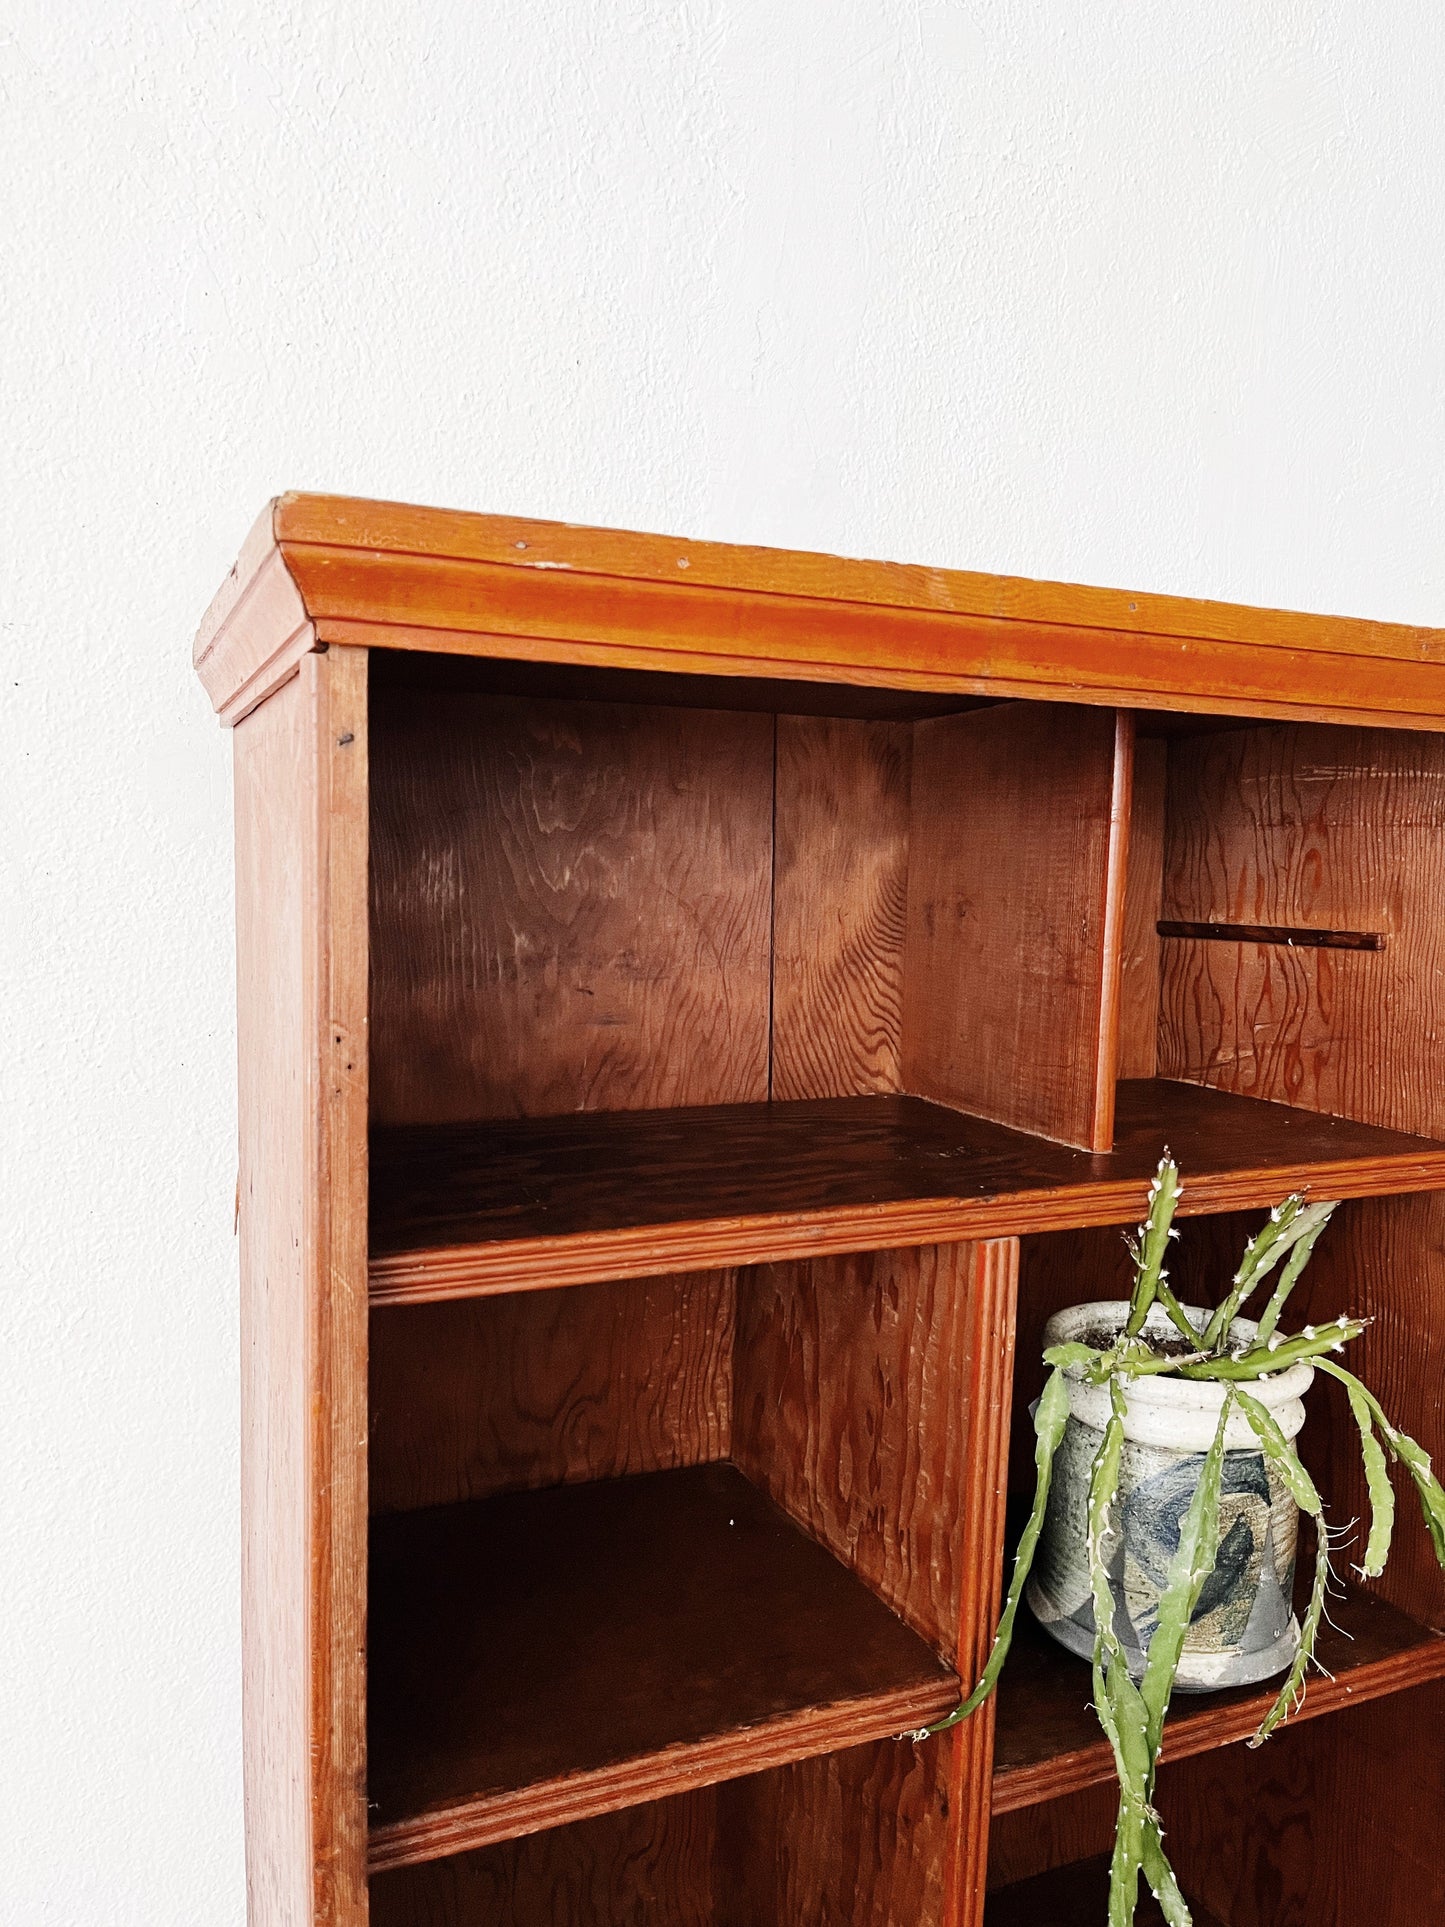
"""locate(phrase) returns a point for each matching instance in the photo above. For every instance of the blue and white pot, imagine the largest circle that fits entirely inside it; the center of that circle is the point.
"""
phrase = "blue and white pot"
(1244, 1628)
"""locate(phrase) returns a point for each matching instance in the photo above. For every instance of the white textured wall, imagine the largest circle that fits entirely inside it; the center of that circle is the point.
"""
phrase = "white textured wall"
(1144, 294)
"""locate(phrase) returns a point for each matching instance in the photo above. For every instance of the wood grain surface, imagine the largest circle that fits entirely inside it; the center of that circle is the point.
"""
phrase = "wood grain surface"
(1337, 828)
(570, 907)
(840, 892)
(301, 1024)
(851, 1402)
(1019, 818)
(1329, 1825)
(1138, 1052)
(1048, 1742)
(492, 586)
(870, 1401)
(858, 1837)
(647, 1863)
(1332, 829)
(531, 1389)
(513, 1205)
(540, 1657)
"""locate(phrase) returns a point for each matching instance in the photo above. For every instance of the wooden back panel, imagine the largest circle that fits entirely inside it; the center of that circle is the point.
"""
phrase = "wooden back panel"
(840, 895)
(540, 1388)
(570, 906)
(1015, 912)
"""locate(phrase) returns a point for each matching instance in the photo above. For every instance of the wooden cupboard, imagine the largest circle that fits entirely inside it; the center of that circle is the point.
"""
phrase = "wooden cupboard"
(700, 1010)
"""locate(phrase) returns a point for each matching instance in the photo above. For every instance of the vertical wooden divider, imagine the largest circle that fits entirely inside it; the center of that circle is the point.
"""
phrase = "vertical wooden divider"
(1018, 846)
(1138, 1052)
(871, 1401)
(301, 853)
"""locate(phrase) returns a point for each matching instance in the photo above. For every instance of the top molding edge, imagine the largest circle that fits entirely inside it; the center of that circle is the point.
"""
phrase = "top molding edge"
(320, 568)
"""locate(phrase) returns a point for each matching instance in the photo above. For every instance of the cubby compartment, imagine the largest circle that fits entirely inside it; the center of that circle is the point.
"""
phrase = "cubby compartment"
(652, 1534)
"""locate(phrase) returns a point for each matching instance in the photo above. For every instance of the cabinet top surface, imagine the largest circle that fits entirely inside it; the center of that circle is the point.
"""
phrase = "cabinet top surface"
(324, 569)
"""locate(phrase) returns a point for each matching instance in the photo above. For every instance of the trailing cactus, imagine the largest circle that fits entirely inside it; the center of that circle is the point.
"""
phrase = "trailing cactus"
(1132, 1710)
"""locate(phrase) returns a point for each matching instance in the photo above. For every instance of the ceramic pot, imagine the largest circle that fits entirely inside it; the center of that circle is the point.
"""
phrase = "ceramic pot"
(1244, 1628)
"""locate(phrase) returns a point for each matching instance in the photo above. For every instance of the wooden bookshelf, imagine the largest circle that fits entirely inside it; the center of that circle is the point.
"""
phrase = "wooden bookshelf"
(700, 1010)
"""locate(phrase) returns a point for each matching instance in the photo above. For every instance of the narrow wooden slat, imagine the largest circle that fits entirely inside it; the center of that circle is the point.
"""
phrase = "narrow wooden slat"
(1296, 936)
(551, 1201)
(541, 1657)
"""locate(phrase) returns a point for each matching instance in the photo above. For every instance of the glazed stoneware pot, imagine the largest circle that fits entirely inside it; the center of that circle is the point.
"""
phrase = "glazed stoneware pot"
(1244, 1628)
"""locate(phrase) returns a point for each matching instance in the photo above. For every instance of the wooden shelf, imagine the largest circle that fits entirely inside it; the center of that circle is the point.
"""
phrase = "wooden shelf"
(541, 1657)
(1073, 1896)
(458, 1209)
(1047, 1740)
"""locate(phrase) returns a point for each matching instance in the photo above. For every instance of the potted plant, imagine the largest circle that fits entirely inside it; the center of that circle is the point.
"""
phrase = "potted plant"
(1162, 1534)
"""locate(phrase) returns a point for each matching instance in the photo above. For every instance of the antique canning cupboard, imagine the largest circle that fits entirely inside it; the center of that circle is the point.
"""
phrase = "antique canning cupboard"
(700, 1010)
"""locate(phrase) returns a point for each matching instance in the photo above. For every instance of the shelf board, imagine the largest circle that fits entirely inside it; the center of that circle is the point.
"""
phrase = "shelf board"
(1047, 1740)
(461, 1209)
(1073, 1896)
(541, 1657)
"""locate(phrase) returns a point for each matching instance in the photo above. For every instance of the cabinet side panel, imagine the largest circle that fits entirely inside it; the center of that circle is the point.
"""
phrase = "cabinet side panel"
(541, 1388)
(570, 905)
(274, 787)
(871, 1401)
(651, 1863)
(301, 947)
(1017, 841)
(840, 901)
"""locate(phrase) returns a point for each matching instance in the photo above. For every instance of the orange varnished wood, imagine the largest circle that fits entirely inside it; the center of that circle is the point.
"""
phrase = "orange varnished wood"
(660, 831)
(858, 1835)
(537, 546)
(540, 1657)
(1138, 1052)
(301, 1020)
(1019, 815)
(1339, 829)
(461, 584)
(839, 904)
(655, 1862)
(519, 1204)
(529, 1389)
(570, 907)
(871, 1402)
